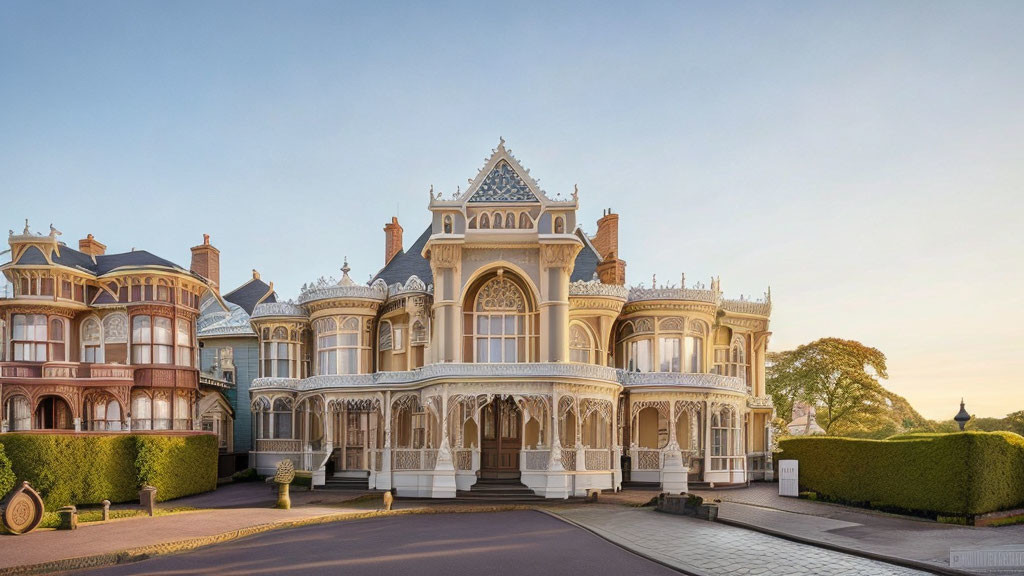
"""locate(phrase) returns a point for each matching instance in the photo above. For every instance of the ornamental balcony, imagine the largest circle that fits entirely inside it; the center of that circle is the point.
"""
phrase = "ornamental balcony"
(514, 371)
(73, 371)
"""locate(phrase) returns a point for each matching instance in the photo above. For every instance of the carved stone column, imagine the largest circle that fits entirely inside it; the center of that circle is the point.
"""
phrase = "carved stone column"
(446, 344)
(556, 262)
(444, 468)
(616, 453)
(384, 476)
(556, 481)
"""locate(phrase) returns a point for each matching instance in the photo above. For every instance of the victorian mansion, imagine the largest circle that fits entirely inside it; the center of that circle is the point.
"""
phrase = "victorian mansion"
(504, 344)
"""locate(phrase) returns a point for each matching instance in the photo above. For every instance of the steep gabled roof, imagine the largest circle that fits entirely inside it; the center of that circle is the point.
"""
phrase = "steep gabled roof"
(250, 294)
(135, 259)
(408, 263)
(586, 261)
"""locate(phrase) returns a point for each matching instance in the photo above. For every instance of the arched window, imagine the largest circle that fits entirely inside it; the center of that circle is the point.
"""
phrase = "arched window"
(161, 411)
(282, 418)
(385, 341)
(501, 322)
(485, 221)
(724, 435)
(447, 224)
(115, 338)
(182, 412)
(559, 225)
(510, 220)
(337, 346)
(419, 333)
(142, 412)
(57, 347)
(524, 222)
(280, 353)
(92, 341)
(183, 340)
(651, 428)
(738, 358)
(498, 222)
(261, 418)
(18, 413)
(580, 345)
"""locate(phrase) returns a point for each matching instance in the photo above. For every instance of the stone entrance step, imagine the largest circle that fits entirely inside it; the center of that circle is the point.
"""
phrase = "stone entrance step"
(345, 483)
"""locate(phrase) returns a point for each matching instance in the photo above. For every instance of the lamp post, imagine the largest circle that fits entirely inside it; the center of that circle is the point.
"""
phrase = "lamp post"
(962, 416)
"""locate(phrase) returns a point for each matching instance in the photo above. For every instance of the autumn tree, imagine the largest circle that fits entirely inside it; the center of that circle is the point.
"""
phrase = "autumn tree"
(838, 377)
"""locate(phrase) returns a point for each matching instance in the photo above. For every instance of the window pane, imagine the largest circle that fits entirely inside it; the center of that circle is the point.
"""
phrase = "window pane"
(140, 329)
(349, 339)
(510, 324)
(494, 350)
(348, 361)
(481, 349)
(162, 330)
(496, 322)
(163, 354)
(481, 324)
(510, 350)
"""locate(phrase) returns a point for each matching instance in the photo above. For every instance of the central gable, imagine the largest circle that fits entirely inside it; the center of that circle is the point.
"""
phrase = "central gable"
(503, 184)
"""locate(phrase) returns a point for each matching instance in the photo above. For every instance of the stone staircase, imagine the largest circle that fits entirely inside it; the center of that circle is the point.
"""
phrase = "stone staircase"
(361, 483)
(501, 490)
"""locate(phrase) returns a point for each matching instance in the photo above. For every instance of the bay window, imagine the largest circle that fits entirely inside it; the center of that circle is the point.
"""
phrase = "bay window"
(280, 354)
(29, 338)
(639, 356)
(337, 346)
(184, 342)
(152, 340)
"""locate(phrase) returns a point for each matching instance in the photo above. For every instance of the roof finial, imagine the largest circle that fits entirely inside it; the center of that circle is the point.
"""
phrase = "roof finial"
(54, 232)
(255, 274)
(654, 280)
(27, 232)
(344, 267)
(501, 142)
(682, 281)
(431, 191)
(575, 192)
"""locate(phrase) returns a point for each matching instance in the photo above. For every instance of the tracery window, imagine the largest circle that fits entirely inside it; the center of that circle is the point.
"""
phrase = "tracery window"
(724, 436)
(337, 346)
(580, 345)
(92, 341)
(501, 322)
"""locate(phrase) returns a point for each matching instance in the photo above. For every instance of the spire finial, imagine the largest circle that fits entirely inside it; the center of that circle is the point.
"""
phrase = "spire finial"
(344, 267)
(501, 142)
(27, 232)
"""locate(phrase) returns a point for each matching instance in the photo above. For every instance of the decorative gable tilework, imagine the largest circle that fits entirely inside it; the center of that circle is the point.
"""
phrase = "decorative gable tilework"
(503, 184)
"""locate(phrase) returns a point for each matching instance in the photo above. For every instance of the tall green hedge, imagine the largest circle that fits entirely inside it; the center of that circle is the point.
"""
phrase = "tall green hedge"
(961, 474)
(87, 469)
(6, 475)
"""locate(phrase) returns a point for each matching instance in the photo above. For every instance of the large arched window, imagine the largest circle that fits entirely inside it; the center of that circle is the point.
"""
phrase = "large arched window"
(115, 338)
(738, 358)
(92, 341)
(581, 348)
(261, 418)
(724, 436)
(58, 349)
(500, 326)
(142, 412)
(18, 413)
(337, 346)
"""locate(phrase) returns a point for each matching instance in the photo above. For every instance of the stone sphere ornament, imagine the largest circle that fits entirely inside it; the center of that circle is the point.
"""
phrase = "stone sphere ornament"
(22, 510)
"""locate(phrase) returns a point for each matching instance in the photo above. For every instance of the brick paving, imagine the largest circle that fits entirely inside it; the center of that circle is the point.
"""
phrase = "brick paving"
(707, 548)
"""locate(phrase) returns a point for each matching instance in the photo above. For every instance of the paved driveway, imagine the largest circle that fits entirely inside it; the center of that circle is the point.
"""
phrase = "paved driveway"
(519, 542)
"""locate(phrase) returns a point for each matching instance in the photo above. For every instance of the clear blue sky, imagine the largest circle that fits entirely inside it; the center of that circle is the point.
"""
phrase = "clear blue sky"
(866, 159)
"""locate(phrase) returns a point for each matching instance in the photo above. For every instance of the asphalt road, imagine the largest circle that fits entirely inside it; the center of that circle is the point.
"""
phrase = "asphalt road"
(517, 542)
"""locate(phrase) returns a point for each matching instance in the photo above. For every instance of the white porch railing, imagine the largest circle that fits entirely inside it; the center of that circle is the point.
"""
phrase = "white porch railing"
(569, 458)
(646, 458)
(413, 458)
(536, 459)
(597, 459)
(278, 445)
(463, 459)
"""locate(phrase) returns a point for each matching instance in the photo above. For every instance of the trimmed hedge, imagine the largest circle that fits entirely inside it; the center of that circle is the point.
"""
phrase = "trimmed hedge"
(87, 469)
(7, 479)
(959, 474)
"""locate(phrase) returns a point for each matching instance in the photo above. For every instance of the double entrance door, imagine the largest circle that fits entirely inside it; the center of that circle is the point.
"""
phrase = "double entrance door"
(501, 439)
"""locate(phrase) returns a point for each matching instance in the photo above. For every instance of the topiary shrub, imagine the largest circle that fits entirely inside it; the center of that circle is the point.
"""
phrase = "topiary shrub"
(959, 474)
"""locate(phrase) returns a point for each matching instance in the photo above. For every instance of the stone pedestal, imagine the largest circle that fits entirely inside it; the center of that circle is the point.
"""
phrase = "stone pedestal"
(68, 518)
(147, 499)
(674, 473)
(443, 485)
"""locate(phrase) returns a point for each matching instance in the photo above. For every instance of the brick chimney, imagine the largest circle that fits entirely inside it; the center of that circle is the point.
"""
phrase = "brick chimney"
(91, 246)
(206, 261)
(392, 239)
(611, 269)
(607, 239)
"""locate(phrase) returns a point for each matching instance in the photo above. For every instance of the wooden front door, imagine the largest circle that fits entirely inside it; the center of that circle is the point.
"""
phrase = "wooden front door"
(501, 440)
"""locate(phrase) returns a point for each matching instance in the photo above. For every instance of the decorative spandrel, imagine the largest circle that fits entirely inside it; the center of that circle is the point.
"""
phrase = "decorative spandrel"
(500, 294)
(503, 184)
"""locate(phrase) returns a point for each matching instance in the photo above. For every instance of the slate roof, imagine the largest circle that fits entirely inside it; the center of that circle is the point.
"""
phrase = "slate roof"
(407, 263)
(106, 263)
(248, 295)
(586, 261)
(215, 320)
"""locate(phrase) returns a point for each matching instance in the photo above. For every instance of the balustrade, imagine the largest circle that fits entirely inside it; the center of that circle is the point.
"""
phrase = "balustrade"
(536, 459)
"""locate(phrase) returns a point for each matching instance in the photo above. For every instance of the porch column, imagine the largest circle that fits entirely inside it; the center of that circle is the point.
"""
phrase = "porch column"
(616, 452)
(444, 468)
(78, 424)
(556, 482)
(707, 439)
(384, 477)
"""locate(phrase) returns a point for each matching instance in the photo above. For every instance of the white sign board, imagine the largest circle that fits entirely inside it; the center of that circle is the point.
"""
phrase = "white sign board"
(789, 478)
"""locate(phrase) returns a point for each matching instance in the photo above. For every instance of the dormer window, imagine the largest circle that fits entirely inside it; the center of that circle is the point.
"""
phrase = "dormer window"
(559, 225)
(448, 224)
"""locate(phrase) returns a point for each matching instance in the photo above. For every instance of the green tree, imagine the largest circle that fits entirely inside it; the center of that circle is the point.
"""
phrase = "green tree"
(839, 377)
